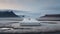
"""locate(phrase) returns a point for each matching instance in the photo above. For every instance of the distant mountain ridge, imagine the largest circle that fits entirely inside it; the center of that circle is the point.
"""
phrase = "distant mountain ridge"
(8, 13)
(49, 17)
(52, 15)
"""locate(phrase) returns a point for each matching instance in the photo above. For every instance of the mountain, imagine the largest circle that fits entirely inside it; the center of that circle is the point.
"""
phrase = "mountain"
(7, 13)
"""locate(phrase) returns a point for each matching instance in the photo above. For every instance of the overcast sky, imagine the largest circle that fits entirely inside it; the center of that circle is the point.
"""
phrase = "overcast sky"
(33, 7)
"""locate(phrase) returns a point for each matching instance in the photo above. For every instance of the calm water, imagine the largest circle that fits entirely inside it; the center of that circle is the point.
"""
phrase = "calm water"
(44, 27)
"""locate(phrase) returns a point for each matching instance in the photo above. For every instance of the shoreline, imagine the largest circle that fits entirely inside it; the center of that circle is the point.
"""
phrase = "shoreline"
(55, 32)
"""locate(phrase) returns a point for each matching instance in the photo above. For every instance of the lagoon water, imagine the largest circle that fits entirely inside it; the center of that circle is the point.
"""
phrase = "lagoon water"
(45, 27)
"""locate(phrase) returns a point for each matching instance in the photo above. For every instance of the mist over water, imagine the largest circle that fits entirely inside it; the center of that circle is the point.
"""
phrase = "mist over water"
(29, 20)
